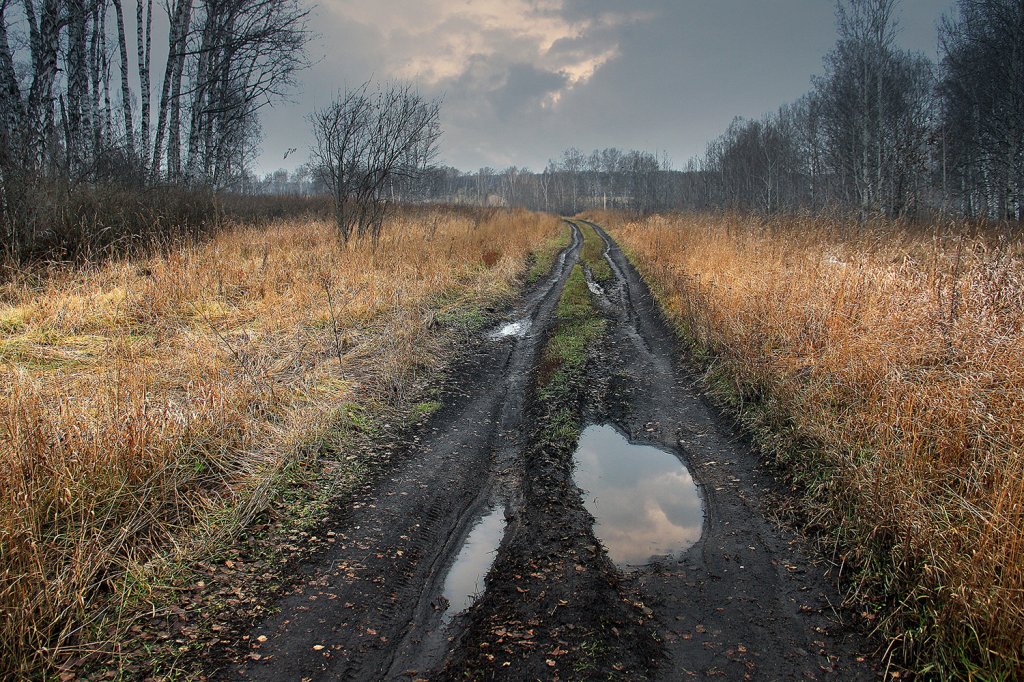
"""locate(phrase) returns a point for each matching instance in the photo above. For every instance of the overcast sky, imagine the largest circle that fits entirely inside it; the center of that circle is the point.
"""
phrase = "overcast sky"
(524, 79)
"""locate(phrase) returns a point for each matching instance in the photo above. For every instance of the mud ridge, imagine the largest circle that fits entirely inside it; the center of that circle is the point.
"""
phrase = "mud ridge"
(555, 606)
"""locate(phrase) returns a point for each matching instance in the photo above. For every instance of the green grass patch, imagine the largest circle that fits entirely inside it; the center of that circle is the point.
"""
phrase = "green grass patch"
(590, 653)
(563, 368)
(544, 257)
(467, 320)
(424, 409)
(593, 254)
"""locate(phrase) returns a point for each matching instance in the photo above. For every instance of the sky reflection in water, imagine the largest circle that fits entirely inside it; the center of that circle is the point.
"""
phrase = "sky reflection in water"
(465, 580)
(643, 499)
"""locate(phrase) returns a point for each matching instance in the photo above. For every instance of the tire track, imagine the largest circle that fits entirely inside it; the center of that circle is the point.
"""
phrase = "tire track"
(365, 609)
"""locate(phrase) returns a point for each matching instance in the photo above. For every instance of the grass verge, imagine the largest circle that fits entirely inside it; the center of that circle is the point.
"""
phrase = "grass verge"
(544, 256)
(882, 367)
(593, 253)
(564, 361)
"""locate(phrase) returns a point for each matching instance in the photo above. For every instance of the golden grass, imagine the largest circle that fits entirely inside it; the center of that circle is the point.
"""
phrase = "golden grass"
(146, 406)
(885, 366)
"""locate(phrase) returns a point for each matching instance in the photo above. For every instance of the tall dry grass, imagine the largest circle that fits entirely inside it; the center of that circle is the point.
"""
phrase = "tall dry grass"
(147, 406)
(885, 366)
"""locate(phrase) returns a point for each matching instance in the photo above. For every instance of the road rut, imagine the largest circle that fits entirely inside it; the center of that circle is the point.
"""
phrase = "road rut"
(747, 600)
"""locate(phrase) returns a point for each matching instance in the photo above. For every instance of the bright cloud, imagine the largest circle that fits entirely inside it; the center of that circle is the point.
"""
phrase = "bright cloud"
(524, 79)
(442, 42)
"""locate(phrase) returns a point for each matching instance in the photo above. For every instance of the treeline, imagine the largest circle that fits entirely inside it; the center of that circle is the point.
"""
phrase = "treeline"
(886, 131)
(609, 178)
(79, 116)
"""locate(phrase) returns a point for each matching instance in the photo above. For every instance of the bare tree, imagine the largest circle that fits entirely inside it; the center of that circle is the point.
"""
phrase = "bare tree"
(144, 41)
(365, 140)
(573, 162)
(247, 55)
(180, 15)
(126, 99)
(226, 60)
(342, 131)
(874, 104)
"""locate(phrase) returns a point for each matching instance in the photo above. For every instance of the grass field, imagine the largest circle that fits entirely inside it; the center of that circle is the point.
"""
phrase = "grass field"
(147, 407)
(884, 367)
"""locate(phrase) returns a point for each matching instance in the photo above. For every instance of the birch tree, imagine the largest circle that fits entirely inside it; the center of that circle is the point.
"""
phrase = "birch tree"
(982, 92)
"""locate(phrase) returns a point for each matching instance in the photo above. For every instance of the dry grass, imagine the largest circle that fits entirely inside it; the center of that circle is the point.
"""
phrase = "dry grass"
(885, 366)
(146, 406)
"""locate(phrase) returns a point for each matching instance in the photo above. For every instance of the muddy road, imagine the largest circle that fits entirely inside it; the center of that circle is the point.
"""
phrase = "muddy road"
(681, 576)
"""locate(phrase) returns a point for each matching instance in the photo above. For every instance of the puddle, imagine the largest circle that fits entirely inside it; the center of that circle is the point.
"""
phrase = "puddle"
(518, 329)
(643, 499)
(465, 580)
(595, 288)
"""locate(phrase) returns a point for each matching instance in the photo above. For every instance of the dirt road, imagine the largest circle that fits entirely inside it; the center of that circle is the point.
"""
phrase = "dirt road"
(744, 602)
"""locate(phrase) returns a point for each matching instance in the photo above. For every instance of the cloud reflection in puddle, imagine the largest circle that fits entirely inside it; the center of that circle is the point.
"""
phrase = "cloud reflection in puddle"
(643, 498)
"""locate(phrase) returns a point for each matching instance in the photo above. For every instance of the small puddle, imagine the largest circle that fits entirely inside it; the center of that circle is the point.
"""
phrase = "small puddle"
(643, 499)
(465, 580)
(518, 329)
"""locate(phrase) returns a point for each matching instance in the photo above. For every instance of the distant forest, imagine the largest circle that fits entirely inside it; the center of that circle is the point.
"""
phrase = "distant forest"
(883, 131)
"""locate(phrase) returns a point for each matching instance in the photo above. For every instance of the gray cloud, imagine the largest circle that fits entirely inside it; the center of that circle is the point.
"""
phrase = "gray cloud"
(524, 79)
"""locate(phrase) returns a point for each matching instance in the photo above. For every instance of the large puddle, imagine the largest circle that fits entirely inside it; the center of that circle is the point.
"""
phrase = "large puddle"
(465, 580)
(643, 499)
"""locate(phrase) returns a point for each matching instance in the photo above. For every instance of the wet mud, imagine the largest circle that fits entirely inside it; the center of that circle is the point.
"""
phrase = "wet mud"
(371, 606)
